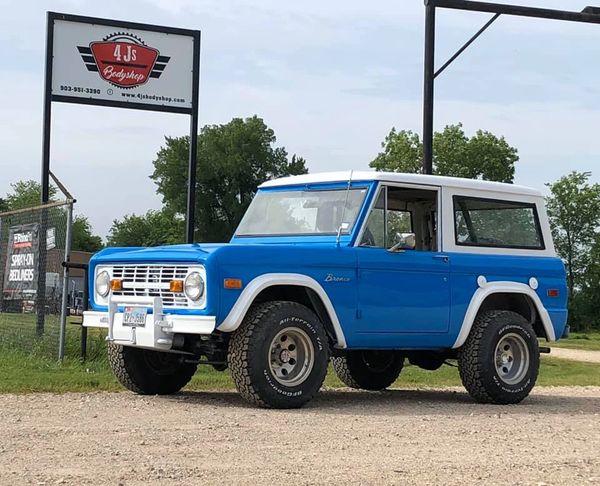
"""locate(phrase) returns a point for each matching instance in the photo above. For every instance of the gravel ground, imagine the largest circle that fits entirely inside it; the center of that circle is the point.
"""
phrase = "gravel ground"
(576, 354)
(341, 437)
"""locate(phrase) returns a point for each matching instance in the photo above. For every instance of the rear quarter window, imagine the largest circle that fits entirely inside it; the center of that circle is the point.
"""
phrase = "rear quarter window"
(496, 223)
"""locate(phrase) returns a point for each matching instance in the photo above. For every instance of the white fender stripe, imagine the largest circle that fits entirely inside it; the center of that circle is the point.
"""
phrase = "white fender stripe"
(489, 288)
(239, 310)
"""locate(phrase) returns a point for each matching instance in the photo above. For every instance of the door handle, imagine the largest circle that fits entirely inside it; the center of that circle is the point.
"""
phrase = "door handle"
(443, 258)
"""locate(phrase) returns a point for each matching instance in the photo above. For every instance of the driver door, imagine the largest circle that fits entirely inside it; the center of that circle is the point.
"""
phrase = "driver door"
(403, 290)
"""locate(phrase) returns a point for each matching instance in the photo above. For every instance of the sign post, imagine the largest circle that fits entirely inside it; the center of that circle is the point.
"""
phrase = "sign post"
(105, 62)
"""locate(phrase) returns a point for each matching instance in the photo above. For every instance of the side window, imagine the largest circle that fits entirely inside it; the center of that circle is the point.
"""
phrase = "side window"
(495, 223)
(399, 210)
(374, 231)
(399, 216)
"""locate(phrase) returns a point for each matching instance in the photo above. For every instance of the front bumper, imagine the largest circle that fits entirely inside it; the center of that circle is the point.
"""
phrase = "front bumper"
(159, 328)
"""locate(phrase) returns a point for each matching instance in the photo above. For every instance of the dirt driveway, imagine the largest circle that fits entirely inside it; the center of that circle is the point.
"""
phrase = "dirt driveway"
(576, 355)
(342, 437)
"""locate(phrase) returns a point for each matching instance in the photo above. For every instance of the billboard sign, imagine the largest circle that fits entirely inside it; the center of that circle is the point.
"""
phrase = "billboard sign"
(20, 276)
(115, 63)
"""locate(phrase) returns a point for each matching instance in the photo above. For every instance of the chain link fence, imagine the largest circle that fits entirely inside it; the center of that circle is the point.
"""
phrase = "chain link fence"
(34, 292)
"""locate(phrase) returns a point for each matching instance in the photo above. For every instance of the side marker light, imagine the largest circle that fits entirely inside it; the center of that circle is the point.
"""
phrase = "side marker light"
(232, 283)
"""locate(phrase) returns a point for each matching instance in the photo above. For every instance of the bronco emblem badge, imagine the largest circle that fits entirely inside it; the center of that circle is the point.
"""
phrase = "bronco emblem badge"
(333, 278)
(124, 60)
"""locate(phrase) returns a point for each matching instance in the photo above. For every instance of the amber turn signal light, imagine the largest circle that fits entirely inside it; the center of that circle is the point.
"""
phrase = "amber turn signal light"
(176, 285)
(552, 293)
(116, 284)
(232, 283)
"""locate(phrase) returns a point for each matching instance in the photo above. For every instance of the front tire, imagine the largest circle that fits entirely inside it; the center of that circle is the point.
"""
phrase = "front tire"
(500, 360)
(148, 372)
(278, 356)
(369, 370)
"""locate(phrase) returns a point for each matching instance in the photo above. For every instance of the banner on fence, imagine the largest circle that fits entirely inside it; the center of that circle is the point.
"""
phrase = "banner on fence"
(20, 276)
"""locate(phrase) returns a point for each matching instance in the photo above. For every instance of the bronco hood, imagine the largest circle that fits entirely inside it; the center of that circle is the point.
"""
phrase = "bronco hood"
(172, 253)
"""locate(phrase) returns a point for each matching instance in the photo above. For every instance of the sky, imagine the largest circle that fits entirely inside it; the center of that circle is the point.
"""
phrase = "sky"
(330, 77)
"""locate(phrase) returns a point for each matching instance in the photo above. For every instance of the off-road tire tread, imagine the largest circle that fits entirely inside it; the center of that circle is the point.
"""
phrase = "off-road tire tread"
(238, 351)
(124, 372)
(240, 344)
(344, 373)
(340, 366)
(468, 364)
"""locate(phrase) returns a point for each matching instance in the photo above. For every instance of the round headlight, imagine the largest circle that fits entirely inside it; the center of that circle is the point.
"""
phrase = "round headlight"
(103, 283)
(194, 286)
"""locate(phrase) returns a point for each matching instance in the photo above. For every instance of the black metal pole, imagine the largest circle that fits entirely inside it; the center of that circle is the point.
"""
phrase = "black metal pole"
(85, 304)
(191, 195)
(428, 89)
(586, 16)
(84, 307)
(45, 180)
(47, 110)
(466, 45)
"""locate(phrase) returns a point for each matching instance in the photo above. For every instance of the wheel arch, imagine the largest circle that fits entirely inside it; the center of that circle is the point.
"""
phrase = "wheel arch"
(514, 296)
(287, 286)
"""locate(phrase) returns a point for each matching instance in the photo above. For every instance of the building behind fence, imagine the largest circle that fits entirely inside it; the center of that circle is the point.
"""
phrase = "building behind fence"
(34, 243)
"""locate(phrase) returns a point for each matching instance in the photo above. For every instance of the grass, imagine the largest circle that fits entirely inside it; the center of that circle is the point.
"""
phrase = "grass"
(577, 340)
(17, 332)
(23, 373)
(560, 372)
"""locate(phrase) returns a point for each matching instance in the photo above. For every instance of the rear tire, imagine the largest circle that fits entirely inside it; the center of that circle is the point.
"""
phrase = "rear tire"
(148, 372)
(369, 370)
(278, 356)
(500, 360)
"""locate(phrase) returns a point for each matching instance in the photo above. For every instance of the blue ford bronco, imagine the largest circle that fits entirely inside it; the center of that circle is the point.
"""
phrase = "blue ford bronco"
(366, 269)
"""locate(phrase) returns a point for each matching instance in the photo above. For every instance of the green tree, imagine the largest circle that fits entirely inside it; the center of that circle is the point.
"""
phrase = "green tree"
(83, 238)
(154, 228)
(483, 156)
(3, 205)
(587, 300)
(27, 194)
(402, 152)
(574, 212)
(233, 159)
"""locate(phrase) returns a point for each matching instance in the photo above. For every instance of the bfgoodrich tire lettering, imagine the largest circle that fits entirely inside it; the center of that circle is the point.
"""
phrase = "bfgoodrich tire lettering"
(368, 370)
(267, 364)
(497, 338)
(149, 372)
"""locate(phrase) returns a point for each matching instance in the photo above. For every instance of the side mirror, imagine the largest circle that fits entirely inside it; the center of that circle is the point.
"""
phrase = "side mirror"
(404, 241)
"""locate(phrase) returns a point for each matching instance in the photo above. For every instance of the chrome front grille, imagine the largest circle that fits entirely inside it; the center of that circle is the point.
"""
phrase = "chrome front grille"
(151, 281)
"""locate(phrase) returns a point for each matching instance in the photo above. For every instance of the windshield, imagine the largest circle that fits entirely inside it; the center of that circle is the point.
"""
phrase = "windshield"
(302, 212)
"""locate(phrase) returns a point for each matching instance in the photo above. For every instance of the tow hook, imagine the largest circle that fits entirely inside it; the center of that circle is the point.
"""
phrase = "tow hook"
(545, 350)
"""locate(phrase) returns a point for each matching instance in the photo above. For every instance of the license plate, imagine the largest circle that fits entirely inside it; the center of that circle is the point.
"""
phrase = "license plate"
(135, 316)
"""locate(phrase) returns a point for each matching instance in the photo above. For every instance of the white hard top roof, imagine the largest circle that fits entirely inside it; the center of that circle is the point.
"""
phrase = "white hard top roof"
(421, 179)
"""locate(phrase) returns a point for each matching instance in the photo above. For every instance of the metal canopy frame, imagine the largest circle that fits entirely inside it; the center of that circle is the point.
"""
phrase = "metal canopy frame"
(589, 15)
